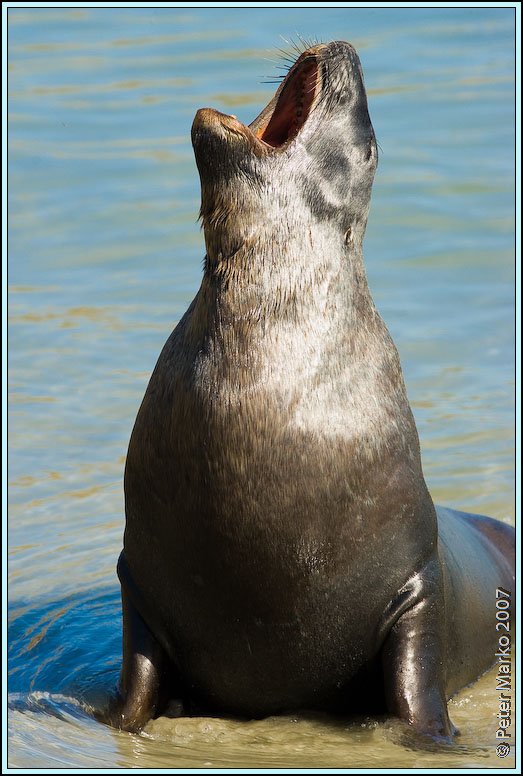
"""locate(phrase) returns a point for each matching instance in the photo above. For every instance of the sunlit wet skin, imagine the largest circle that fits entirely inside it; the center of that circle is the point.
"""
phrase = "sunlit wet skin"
(281, 546)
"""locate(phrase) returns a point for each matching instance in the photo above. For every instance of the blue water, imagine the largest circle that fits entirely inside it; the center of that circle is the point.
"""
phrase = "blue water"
(105, 254)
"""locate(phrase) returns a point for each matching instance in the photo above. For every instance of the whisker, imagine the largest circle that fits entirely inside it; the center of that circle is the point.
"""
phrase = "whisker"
(268, 59)
(288, 58)
(307, 42)
(304, 42)
(285, 56)
(297, 49)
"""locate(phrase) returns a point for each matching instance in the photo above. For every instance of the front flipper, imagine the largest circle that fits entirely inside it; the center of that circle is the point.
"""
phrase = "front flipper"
(147, 677)
(143, 669)
(413, 655)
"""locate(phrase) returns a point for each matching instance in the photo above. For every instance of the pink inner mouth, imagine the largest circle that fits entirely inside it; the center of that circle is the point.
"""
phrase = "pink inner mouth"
(292, 107)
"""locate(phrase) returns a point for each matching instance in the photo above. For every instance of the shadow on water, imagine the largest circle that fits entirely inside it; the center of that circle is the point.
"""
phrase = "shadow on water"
(68, 647)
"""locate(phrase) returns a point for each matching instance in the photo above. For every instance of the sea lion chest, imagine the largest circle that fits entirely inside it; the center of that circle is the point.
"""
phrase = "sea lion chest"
(265, 511)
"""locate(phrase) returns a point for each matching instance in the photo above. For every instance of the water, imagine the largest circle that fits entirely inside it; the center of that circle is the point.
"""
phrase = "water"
(105, 255)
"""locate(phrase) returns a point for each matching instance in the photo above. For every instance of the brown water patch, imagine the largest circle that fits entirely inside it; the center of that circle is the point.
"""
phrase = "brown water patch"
(70, 318)
(150, 40)
(319, 741)
(29, 480)
(19, 398)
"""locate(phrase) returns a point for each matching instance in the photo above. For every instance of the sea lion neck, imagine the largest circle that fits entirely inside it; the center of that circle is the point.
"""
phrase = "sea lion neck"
(279, 259)
(308, 279)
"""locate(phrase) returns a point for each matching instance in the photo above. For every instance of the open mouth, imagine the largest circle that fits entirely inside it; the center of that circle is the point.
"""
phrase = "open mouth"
(288, 111)
(278, 123)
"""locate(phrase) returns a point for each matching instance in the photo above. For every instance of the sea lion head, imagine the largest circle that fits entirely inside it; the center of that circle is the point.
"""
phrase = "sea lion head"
(304, 165)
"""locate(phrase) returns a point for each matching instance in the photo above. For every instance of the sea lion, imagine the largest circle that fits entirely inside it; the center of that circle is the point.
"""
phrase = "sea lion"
(281, 549)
